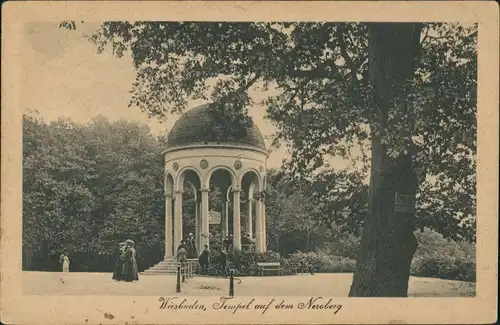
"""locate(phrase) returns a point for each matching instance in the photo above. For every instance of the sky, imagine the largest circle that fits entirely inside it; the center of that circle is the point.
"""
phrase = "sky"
(65, 77)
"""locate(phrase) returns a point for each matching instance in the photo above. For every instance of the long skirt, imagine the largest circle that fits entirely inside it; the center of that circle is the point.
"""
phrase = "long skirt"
(65, 267)
(130, 271)
(118, 270)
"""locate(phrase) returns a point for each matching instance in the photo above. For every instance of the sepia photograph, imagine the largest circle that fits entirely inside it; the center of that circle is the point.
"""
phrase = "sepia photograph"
(228, 166)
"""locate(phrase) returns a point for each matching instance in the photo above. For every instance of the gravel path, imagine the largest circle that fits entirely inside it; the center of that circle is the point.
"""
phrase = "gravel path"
(332, 285)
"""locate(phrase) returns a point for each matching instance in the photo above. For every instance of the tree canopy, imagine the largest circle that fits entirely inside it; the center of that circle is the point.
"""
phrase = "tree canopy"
(322, 101)
(88, 187)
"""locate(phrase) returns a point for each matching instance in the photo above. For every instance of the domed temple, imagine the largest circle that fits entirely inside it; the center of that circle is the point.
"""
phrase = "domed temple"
(236, 164)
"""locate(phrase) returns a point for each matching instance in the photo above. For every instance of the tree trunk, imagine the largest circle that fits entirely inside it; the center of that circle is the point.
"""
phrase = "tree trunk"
(387, 243)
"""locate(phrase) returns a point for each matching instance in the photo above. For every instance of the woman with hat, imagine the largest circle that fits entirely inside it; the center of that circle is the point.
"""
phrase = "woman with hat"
(130, 266)
(118, 270)
(192, 252)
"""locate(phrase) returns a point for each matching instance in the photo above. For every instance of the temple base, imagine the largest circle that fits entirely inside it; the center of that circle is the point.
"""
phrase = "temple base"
(167, 266)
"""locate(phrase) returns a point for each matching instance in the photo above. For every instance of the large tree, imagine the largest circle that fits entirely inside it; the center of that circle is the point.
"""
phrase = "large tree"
(404, 91)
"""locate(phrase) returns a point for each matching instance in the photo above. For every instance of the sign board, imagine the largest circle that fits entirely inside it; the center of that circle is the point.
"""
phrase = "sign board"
(404, 203)
(214, 218)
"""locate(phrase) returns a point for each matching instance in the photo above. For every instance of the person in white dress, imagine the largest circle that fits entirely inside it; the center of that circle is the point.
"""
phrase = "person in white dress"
(65, 264)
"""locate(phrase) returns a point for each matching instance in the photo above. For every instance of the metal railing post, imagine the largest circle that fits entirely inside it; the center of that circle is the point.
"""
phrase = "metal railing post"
(231, 283)
(178, 285)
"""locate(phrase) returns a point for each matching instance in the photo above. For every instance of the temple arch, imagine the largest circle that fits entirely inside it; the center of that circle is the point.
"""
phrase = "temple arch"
(193, 175)
(232, 175)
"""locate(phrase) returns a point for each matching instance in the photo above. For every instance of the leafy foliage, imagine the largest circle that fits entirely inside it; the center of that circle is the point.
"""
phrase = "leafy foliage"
(444, 258)
(323, 261)
(322, 103)
(287, 212)
(86, 188)
(298, 209)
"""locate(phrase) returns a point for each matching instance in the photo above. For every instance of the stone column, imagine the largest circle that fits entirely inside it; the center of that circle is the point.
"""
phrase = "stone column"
(168, 227)
(263, 225)
(258, 225)
(236, 220)
(177, 220)
(226, 219)
(249, 218)
(197, 227)
(204, 219)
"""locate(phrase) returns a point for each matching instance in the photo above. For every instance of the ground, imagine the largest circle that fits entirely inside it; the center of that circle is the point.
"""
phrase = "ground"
(331, 285)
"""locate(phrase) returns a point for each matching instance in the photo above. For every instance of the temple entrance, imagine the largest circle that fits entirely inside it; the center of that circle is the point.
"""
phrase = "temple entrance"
(219, 183)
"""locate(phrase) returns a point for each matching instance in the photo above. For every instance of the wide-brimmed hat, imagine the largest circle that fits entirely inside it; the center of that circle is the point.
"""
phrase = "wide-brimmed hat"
(190, 234)
(130, 241)
(122, 243)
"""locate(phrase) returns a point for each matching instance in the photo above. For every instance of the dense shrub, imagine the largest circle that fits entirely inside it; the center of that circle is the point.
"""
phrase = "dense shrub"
(323, 261)
(314, 259)
(436, 257)
(346, 245)
(338, 264)
(443, 258)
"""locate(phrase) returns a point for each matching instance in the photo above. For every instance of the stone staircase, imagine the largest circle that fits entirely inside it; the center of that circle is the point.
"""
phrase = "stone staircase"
(168, 266)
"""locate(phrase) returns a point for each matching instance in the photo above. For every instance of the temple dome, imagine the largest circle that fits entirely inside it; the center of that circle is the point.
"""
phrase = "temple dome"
(191, 129)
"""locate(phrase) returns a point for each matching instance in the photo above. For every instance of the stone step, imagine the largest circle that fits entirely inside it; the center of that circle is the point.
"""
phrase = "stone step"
(164, 267)
(161, 271)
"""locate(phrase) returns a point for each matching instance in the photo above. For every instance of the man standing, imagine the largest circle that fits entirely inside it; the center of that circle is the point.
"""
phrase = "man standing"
(204, 260)
(192, 252)
(223, 262)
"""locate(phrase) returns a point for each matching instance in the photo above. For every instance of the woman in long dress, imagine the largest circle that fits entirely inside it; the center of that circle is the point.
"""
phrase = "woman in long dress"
(65, 266)
(118, 270)
(130, 267)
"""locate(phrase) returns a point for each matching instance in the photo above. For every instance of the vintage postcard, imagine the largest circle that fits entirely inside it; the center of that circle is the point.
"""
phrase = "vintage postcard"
(239, 162)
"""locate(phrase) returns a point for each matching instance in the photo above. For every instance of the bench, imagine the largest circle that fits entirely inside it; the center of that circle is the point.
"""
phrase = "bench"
(265, 268)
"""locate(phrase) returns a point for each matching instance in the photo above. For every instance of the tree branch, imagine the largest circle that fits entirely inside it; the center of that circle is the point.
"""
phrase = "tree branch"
(350, 63)
(250, 83)
(326, 69)
(243, 88)
(319, 72)
(425, 36)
